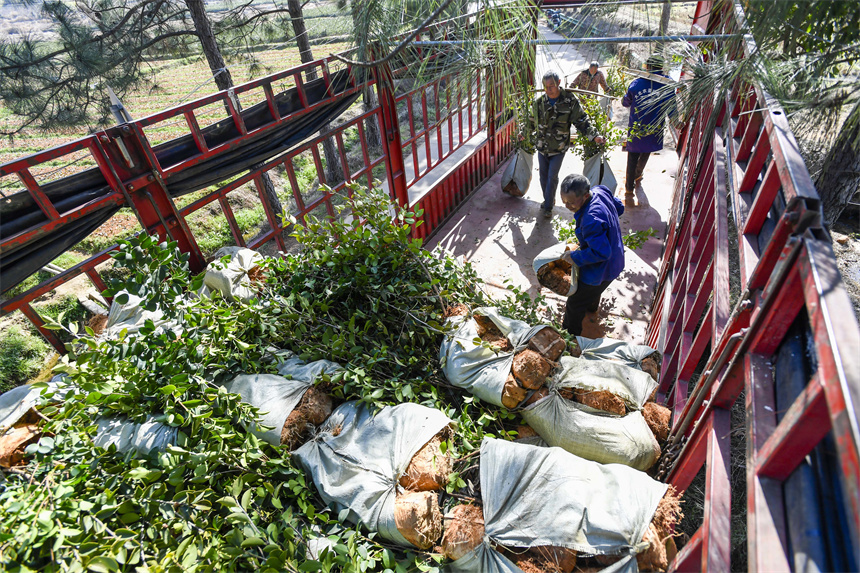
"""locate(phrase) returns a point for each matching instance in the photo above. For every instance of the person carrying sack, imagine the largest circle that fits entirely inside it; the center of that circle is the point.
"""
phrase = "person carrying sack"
(600, 256)
(554, 113)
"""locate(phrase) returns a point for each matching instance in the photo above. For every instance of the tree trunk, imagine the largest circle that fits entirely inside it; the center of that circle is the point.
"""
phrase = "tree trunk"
(368, 96)
(224, 80)
(333, 168)
(664, 18)
(840, 176)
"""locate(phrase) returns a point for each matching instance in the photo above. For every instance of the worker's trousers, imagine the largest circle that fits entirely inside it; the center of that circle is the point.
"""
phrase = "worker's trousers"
(635, 168)
(585, 299)
(549, 166)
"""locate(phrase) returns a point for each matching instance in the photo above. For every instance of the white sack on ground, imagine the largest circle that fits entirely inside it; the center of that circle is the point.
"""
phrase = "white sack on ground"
(143, 438)
(590, 433)
(611, 349)
(17, 401)
(552, 254)
(518, 172)
(630, 384)
(277, 396)
(231, 278)
(591, 170)
(132, 316)
(596, 509)
(475, 368)
(357, 457)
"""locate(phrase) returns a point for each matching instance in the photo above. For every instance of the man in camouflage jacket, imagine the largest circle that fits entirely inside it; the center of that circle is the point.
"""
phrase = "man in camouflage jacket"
(554, 112)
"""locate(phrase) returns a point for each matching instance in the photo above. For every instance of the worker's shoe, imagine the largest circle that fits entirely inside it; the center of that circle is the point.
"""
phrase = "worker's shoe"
(630, 199)
(547, 213)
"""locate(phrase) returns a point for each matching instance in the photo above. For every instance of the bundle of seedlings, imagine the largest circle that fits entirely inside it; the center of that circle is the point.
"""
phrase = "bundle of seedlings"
(587, 527)
(505, 362)
(291, 404)
(389, 464)
(556, 273)
(594, 409)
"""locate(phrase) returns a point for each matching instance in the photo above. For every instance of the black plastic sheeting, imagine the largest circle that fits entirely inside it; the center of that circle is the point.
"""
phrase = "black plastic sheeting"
(19, 212)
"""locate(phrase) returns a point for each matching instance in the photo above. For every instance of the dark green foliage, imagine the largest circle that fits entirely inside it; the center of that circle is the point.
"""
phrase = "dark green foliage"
(362, 294)
(21, 357)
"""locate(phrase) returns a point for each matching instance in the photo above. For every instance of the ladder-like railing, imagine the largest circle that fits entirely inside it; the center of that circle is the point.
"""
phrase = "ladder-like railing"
(748, 275)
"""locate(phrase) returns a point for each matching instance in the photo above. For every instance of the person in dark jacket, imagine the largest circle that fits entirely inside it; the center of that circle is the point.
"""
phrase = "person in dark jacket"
(600, 256)
(554, 113)
(648, 108)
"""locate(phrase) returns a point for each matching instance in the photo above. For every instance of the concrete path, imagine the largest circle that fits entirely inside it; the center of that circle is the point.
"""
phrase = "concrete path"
(500, 235)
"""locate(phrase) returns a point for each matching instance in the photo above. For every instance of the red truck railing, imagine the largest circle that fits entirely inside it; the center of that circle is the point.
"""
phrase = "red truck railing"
(746, 263)
(453, 139)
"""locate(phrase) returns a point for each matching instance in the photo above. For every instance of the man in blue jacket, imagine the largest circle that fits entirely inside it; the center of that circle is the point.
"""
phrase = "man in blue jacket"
(600, 257)
(648, 108)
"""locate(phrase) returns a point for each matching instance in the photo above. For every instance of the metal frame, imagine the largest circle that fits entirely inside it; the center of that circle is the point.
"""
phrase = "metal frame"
(739, 157)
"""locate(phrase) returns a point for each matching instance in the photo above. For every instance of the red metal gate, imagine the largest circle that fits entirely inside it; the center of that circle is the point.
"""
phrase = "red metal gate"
(741, 174)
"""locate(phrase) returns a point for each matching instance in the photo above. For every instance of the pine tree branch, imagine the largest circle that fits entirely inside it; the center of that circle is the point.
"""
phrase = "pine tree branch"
(401, 45)
(96, 39)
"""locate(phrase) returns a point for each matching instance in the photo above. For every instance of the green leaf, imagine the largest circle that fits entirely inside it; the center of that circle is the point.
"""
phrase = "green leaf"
(102, 564)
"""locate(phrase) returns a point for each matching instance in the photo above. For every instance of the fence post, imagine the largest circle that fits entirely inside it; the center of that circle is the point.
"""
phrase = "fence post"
(395, 169)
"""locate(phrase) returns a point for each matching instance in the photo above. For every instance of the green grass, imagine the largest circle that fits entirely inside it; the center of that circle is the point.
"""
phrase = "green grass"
(70, 308)
(22, 355)
(213, 232)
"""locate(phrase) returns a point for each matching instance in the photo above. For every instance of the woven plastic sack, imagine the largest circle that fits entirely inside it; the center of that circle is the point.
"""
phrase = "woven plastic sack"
(475, 368)
(518, 172)
(596, 169)
(611, 349)
(593, 434)
(231, 278)
(144, 438)
(357, 457)
(554, 253)
(277, 396)
(132, 316)
(595, 510)
(17, 401)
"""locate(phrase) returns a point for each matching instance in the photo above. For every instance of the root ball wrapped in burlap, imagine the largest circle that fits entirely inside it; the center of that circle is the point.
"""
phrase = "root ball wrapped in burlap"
(430, 468)
(513, 394)
(548, 343)
(658, 419)
(600, 400)
(531, 369)
(464, 531)
(313, 409)
(543, 559)
(14, 441)
(418, 518)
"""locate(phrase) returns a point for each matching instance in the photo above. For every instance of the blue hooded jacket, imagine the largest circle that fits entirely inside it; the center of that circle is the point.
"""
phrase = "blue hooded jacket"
(646, 110)
(600, 256)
